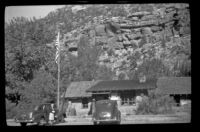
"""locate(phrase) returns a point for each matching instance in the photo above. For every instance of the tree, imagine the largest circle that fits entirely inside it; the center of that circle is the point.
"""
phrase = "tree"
(87, 59)
(43, 87)
(152, 69)
(104, 73)
(24, 53)
(122, 76)
(182, 68)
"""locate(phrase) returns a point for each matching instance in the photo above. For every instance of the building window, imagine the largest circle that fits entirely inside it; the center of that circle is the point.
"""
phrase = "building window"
(127, 101)
(127, 98)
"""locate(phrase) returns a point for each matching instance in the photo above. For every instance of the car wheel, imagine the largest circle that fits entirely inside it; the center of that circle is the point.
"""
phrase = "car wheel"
(95, 123)
(42, 121)
(23, 124)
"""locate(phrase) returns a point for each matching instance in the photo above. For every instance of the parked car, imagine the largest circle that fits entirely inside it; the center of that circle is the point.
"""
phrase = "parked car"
(106, 112)
(24, 119)
(38, 115)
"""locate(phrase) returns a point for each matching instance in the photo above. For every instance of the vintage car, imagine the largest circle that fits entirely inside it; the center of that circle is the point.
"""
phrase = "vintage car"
(37, 116)
(106, 112)
(24, 118)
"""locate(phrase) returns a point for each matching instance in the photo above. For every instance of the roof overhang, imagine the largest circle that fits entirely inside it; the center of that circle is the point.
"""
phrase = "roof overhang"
(101, 92)
(122, 85)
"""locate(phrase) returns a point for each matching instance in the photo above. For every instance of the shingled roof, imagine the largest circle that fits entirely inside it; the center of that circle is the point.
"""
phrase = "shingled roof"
(78, 89)
(115, 85)
(174, 85)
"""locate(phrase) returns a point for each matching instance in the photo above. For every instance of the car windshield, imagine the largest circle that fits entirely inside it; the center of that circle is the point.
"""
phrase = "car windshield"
(105, 105)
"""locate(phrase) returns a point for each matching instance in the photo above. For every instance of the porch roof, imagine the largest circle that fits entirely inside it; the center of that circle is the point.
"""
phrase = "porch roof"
(174, 85)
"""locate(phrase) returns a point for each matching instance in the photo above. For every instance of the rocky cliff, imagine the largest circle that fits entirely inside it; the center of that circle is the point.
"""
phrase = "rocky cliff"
(128, 40)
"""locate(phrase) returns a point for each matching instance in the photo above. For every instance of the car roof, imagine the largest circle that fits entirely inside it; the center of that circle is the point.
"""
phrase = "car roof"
(45, 103)
(39, 105)
(106, 101)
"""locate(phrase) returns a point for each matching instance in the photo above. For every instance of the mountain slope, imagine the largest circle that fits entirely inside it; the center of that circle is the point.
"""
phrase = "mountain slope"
(131, 34)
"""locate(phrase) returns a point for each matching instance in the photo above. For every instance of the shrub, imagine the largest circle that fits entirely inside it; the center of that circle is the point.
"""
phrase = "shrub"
(10, 109)
(72, 111)
(155, 104)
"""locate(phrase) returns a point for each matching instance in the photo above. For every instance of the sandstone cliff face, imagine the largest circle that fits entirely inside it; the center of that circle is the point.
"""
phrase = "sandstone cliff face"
(139, 35)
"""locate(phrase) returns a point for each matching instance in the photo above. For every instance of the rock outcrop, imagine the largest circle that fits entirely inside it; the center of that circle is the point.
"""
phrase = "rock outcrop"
(149, 34)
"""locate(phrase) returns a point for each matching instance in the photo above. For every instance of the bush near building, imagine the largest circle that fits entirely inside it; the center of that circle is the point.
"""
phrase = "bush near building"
(155, 104)
(72, 111)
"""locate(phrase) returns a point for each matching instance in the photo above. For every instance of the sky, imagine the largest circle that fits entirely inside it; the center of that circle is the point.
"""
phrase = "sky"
(29, 11)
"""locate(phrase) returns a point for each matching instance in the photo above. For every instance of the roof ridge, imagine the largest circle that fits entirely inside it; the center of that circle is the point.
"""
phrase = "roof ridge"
(86, 81)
